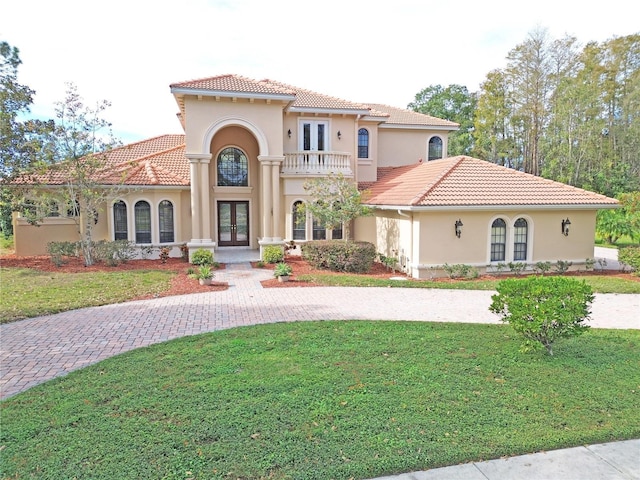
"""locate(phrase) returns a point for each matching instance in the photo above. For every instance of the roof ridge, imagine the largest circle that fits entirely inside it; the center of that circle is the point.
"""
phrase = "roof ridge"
(295, 90)
(444, 174)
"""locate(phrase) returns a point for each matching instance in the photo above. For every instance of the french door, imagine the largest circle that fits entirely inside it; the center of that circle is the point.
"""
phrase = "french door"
(314, 135)
(233, 224)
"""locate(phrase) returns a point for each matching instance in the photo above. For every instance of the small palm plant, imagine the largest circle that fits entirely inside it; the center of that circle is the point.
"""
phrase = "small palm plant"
(204, 274)
(282, 271)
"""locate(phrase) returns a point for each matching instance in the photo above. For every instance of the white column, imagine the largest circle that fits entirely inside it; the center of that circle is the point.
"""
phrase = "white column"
(195, 198)
(277, 214)
(205, 198)
(267, 200)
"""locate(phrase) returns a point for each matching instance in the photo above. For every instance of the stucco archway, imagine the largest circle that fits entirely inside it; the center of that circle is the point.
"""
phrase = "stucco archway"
(214, 128)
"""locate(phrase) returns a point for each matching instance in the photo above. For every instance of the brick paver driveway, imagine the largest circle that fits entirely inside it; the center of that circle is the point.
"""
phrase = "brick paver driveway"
(38, 349)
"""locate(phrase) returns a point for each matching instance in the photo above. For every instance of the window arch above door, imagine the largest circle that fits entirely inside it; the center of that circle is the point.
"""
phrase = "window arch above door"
(233, 168)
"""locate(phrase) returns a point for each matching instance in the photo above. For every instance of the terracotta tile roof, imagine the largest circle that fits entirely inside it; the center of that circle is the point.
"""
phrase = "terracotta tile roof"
(233, 83)
(469, 182)
(155, 161)
(400, 116)
(307, 99)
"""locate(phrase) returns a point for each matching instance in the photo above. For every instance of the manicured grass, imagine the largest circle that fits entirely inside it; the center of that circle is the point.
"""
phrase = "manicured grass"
(600, 284)
(323, 400)
(29, 293)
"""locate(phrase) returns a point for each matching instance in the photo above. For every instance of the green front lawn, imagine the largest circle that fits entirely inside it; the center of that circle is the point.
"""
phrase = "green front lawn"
(599, 283)
(323, 400)
(29, 293)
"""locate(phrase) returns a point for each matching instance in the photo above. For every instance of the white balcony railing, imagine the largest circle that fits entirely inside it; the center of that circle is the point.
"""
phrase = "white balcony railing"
(317, 163)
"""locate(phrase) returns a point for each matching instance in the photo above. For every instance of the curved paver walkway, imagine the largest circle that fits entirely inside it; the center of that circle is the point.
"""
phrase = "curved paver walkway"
(38, 349)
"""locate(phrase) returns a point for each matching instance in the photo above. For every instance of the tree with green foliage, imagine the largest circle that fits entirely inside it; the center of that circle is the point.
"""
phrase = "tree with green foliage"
(334, 201)
(22, 143)
(453, 103)
(611, 225)
(79, 182)
(543, 309)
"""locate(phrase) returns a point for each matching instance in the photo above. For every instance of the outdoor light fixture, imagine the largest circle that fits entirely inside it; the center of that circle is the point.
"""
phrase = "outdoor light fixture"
(458, 228)
(565, 227)
(339, 135)
(289, 133)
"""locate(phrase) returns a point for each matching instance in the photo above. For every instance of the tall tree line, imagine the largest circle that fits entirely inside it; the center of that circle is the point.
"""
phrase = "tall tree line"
(557, 109)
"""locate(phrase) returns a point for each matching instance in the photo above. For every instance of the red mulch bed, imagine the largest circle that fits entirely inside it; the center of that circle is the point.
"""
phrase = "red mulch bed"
(183, 284)
(302, 267)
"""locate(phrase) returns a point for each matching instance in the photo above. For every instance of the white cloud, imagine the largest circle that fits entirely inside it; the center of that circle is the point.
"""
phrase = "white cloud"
(129, 52)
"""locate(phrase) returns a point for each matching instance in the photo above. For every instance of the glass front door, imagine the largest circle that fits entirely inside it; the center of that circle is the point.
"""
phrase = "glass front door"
(233, 224)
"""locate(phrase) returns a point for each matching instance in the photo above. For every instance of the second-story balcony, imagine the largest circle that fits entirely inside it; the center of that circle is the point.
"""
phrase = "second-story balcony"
(317, 163)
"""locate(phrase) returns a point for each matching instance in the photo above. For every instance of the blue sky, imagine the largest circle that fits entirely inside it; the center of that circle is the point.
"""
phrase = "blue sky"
(128, 52)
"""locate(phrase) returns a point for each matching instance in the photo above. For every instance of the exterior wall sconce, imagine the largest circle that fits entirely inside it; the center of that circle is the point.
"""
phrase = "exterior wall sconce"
(565, 227)
(339, 135)
(289, 133)
(458, 228)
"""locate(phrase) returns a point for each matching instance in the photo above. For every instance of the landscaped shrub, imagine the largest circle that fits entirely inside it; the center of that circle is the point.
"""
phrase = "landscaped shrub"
(272, 254)
(202, 257)
(542, 267)
(562, 266)
(57, 250)
(517, 267)
(630, 256)
(114, 253)
(543, 309)
(340, 256)
(460, 271)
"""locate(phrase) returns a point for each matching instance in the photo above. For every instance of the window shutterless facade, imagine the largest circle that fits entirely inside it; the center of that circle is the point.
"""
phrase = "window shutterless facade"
(363, 143)
(120, 226)
(498, 240)
(165, 221)
(520, 235)
(233, 168)
(435, 148)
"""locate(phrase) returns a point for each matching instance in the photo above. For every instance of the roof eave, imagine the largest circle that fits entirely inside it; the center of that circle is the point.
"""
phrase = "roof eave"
(447, 128)
(335, 111)
(231, 94)
(440, 208)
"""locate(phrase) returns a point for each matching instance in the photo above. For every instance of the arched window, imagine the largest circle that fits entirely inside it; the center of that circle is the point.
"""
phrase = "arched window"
(498, 240)
(120, 226)
(165, 221)
(299, 222)
(143, 222)
(435, 148)
(520, 234)
(363, 143)
(233, 168)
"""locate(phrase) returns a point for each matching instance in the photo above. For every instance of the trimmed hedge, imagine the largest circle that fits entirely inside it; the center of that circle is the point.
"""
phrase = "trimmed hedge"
(340, 256)
(630, 256)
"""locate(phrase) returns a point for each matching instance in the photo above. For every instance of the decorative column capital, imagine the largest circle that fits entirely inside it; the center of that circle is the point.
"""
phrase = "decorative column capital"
(271, 159)
(198, 157)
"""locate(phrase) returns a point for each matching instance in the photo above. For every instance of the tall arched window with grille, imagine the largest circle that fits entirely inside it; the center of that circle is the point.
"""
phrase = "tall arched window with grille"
(165, 221)
(520, 235)
(363, 143)
(498, 240)
(233, 168)
(299, 222)
(143, 222)
(120, 226)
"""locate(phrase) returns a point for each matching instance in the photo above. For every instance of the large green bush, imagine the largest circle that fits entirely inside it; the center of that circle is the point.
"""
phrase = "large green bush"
(202, 257)
(630, 256)
(543, 309)
(273, 254)
(340, 256)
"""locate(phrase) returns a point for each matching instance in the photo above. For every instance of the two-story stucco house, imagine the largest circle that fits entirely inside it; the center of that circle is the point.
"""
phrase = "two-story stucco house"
(235, 177)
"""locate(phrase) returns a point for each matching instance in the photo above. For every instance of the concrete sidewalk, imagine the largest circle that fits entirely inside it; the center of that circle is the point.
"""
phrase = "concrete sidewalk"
(607, 461)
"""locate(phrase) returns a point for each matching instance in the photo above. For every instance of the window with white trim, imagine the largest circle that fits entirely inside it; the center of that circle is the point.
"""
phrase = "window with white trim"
(142, 211)
(520, 236)
(165, 221)
(120, 226)
(363, 143)
(435, 148)
(498, 240)
(299, 222)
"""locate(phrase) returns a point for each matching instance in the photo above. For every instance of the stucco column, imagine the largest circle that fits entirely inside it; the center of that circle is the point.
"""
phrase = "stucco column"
(267, 199)
(205, 199)
(195, 197)
(277, 214)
